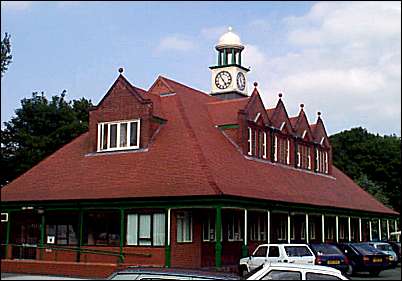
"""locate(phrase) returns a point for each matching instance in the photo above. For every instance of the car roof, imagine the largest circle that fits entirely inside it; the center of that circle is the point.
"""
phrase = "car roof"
(176, 271)
(283, 245)
(304, 266)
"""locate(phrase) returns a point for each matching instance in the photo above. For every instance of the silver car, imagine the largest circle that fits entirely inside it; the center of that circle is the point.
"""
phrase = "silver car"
(386, 249)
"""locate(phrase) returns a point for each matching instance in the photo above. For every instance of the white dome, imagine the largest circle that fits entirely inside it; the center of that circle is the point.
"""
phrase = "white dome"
(229, 39)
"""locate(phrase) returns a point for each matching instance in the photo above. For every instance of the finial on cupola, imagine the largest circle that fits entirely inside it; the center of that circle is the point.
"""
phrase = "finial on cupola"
(121, 69)
(255, 84)
(280, 95)
(319, 113)
(301, 105)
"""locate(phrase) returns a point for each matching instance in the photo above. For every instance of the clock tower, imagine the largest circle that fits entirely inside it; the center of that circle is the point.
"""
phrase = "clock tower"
(229, 76)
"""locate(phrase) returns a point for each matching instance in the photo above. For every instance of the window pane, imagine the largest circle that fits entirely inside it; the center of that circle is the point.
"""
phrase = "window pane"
(261, 252)
(145, 226)
(159, 229)
(319, 276)
(132, 228)
(282, 275)
(72, 237)
(62, 234)
(188, 227)
(179, 228)
(123, 134)
(113, 135)
(133, 133)
(105, 135)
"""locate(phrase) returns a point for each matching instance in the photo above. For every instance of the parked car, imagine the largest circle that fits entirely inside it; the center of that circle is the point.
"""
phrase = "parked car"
(160, 273)
(364, 258)
(274, 253)
(386, 249)
(330, 255)
(396, 246)
(281, 271)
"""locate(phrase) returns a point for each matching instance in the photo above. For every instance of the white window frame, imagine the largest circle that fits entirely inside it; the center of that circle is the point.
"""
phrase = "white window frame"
(298, 159)
(311, 229)
(258, 229)
(282, 230)
(288, 154)
(303, 231)
(250, 141)
(326, 162)
(235, 225)
(265, 146)
(276, 149)
(101, 131)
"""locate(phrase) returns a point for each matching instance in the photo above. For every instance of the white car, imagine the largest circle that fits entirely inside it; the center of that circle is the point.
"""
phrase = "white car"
(277, 253)
(281, 271)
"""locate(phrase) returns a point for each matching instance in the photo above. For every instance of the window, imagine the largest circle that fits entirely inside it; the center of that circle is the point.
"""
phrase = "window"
(61, 229)
(146, 229)
(322, 161)
(311, 229)
(303, 231)
(341, 231)
(282, 151)
(208, 230)
(118, 135)
(320, 276)
(297, 251)
(329, 232)
(261, 252)
(282, 275)
(303, 156)
(102, 228)
(184, 227)
(273, 252)
(250, 141)
(282, 230)
(258, 227)
(234, 228)
(292, 230)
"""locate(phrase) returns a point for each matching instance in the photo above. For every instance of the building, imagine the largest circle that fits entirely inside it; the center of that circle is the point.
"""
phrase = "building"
(172, 176)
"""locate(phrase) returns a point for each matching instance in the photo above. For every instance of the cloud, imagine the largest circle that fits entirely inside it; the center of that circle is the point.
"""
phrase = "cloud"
(344, 63)
(175, 43)
(16, 5)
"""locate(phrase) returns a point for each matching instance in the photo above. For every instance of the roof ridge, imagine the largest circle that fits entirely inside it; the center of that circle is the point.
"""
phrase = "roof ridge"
(168, 80)
(229, 101)
(200, 155)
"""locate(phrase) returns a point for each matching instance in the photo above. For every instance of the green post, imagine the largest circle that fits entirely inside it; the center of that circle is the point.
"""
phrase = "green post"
(218, 235)
(219, 58)
(225, 57)
(168, 250)
(7, 236)
(42, 235)
(80, 235)
(239, 58)
(233, 57)
(121, 234)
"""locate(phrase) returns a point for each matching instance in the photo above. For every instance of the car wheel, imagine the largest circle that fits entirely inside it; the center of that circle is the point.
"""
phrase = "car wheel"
(243, 271)
(374, 273)
(351, 270)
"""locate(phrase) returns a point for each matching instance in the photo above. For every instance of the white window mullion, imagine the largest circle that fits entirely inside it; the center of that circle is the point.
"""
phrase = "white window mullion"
(118, 135)
(265, 145)
(99, 136)
(288, 153)
(276, 149)
(298, 159)
(128, 134)
(326, 162)
(250, 141)
(138, 132)
(108, 136)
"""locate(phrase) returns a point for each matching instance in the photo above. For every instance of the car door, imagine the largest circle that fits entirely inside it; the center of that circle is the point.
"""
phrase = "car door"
(274, 254)
(259, 257)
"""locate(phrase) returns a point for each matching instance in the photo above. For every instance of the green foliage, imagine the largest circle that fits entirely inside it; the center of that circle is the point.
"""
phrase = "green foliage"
(5, 53)
(373, 161)
(40, 127)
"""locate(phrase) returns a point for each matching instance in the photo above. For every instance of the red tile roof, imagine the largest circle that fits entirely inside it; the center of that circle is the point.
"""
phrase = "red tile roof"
(224, 112)
(188, 157)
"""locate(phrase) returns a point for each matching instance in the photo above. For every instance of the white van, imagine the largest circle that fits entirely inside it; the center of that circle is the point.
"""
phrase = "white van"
(277, 253)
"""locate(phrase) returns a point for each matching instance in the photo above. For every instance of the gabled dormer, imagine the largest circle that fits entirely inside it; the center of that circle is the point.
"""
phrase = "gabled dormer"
(123, 120)
(323, 149)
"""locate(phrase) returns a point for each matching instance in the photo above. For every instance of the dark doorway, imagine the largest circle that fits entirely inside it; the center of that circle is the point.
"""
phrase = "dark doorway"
(25, 235)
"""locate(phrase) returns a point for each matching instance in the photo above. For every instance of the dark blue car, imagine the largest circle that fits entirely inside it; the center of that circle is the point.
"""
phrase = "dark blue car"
(330, 255)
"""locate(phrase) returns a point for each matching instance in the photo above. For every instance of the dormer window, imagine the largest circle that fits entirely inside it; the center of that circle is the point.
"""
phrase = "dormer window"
(303, 156)
(119, 135)
(282, 150)
(322, 161)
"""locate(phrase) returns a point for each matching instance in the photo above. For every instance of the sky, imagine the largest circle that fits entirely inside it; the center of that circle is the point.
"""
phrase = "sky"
(340, 58)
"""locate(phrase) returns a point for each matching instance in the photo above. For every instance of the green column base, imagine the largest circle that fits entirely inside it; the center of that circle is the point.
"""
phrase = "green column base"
(244, 251)
(167, 256)
(218, 254)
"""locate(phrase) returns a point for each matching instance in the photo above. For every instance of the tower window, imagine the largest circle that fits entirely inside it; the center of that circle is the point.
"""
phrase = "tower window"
(119, 135)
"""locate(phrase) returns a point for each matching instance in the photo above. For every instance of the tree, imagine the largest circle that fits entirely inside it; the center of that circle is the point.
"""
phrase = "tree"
(373, 161)
(5, 53)
(40, 127)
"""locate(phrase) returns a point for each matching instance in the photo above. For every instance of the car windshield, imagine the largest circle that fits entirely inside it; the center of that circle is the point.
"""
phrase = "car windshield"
(384, 247)
(325, 249)
(366, 249)
(297, 251)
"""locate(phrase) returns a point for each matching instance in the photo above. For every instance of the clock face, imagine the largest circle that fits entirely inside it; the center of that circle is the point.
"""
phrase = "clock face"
(223, 80)
(241, 81)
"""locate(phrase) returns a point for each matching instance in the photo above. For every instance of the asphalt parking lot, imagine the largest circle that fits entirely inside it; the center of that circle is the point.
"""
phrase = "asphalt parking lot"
(389, 274)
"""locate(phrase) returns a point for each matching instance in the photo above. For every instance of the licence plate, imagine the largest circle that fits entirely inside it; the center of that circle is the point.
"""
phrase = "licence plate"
(334, 262)
(377, 259)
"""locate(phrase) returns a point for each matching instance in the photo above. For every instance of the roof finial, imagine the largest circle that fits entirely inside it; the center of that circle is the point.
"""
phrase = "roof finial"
(301, 105)
(280, 95)
(255, 84)
(319, 114)
(230, 28)
(121, 70)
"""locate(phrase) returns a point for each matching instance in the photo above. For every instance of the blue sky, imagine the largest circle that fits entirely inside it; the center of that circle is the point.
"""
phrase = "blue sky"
(321, 54)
